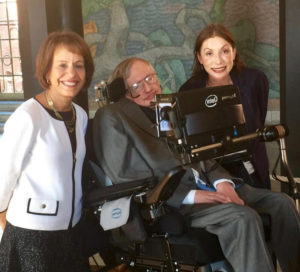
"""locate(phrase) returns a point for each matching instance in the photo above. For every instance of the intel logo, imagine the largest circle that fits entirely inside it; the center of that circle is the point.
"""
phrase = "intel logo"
(211, 101)
(116, 213)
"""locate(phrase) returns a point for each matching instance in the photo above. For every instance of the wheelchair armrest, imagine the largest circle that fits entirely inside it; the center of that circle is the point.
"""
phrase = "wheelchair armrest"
(102, 194)
(165, 188)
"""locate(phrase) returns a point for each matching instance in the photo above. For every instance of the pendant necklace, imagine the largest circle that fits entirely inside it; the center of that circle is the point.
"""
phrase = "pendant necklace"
(70, 124)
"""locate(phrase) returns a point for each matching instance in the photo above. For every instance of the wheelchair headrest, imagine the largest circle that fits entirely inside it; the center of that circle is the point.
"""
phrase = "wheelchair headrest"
(111, 92)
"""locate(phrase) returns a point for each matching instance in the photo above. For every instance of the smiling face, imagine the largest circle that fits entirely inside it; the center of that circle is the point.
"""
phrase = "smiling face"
(217, 57)
(140, 75)
(67, 74)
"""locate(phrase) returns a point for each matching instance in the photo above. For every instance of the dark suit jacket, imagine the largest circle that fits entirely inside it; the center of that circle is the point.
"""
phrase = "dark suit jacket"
(254, 89)
(127, 147)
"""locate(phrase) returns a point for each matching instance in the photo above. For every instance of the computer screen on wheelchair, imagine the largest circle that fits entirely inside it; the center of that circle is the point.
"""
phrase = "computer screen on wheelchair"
(203, 122)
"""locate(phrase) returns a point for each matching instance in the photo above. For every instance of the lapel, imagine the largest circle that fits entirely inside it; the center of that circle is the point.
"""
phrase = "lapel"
(137, 116)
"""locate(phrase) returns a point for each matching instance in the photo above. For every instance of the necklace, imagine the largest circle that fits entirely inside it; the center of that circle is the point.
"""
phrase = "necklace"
(70, 124)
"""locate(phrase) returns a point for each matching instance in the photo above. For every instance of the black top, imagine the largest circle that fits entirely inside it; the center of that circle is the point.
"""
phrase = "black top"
(254, 89)
(67, 116)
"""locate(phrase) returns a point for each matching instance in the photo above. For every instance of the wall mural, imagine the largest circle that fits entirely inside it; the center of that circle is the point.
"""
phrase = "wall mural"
(164, 32)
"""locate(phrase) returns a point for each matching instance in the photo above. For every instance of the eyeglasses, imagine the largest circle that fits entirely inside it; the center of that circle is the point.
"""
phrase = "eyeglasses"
(139, 86)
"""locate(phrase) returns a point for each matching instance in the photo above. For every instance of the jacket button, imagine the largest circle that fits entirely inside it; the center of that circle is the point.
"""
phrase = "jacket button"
(44, 206)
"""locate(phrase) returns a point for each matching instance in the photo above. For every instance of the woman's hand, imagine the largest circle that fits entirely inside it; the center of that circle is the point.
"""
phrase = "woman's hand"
(2, 220)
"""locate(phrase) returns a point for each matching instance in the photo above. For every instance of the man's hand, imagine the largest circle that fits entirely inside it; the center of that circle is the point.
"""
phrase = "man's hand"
(226, 189)
(2, 220)
(202, 196)
(225, 194)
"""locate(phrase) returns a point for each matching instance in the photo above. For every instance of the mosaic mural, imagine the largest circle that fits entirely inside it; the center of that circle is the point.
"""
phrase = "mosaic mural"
(164, 32)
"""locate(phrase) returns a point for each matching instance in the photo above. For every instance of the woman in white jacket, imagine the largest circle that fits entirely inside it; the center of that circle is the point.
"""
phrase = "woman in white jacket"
(42, 153)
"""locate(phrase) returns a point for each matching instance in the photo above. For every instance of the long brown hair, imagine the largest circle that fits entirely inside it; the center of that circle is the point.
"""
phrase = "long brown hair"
(210, 31)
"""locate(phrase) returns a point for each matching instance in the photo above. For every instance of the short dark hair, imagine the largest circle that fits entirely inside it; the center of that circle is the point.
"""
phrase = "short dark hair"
(210, 31)
(71, 40)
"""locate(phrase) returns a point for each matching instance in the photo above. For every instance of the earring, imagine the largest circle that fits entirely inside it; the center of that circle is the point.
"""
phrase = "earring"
(48, 82)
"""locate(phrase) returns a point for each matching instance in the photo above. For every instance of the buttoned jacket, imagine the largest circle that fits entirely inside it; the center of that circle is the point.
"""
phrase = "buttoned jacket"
(39, 179)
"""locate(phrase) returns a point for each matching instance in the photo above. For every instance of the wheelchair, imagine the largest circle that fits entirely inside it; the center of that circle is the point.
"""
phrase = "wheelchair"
(155, 237)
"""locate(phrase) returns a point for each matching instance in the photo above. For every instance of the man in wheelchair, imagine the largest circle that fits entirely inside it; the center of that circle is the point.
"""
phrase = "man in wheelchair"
(127, 147)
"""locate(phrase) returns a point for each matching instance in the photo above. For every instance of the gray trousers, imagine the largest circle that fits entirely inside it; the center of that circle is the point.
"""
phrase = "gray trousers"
(240, 230)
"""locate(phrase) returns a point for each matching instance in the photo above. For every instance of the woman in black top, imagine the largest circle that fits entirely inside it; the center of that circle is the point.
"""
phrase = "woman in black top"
(217, 63)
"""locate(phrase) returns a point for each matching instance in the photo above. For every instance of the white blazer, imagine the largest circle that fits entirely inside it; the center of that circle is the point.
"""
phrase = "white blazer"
(36, 164)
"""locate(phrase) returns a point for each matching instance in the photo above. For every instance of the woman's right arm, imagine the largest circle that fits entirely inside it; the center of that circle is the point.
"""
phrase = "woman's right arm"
(14, 146)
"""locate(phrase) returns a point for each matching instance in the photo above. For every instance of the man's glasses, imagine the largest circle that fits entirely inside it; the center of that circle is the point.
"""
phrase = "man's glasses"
(137, 87)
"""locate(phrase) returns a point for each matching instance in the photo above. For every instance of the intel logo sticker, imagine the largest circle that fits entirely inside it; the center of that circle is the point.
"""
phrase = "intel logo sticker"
(116, 213)
(211, 101)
